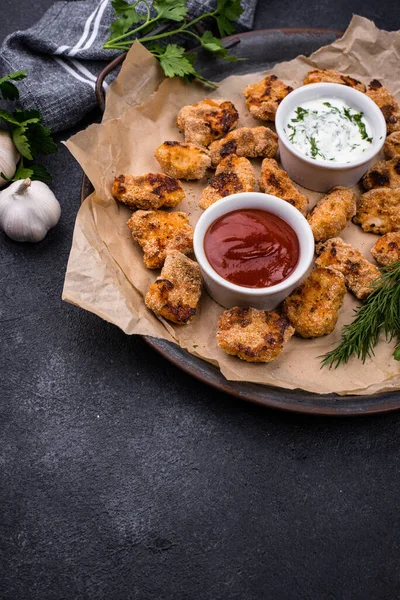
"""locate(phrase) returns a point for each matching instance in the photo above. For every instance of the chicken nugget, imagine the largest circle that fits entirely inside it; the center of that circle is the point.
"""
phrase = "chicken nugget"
(150, 191)
(276, 181)
(359, 274)
(391, 146)
(245, 141)
(253, 335)
(385, 173)
(207, 121)
(330, 215)
(313, 307)
(387, 249)
(378, 211)
(234, 174)
(330, 76)
(175, 294)
(387, 103)
(183, 161)
(157, 232)
(264, 97)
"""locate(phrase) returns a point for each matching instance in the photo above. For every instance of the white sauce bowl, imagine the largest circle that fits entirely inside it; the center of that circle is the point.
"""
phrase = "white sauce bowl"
(229, 294)
(320, 175)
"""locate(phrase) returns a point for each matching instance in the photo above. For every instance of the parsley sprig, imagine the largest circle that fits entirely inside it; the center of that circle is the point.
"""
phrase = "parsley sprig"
(380, 313)
(30, 136)
(133, 20)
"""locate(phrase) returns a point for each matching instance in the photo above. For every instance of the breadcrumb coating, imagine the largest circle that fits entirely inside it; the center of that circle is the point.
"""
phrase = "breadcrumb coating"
(330, 76)
(175, 294)
(313, 307)
(391, 147)
(387, 249)
(234, 174)
(183, 161)
(150, 191)
(264, 97)
(385, 173)
(276, 181)
(378, 211)
(387, 103)
(358, 272)
(330, 215)
(207, 121)
(253, 335)
(157, 232)
(250, 142)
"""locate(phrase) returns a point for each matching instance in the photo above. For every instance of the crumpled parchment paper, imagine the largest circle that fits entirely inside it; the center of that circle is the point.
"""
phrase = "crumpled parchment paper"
(105, 272)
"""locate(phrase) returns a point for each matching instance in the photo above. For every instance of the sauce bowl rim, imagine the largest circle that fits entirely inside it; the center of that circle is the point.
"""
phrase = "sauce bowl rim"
(313, 91)
(305, 238)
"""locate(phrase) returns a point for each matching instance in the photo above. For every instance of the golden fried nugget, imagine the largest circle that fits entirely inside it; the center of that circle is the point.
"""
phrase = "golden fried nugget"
(330, 76)
(385, 173)
(358, 272)
(378, 211)
(152, 190)
(330, 215)
(253, 335)
(391, 147)
(264, 97)
(207, 121)
(245, 141)
(157, 232)
(183, 161)
(276, 181)
(387, 103)
(313, 307)
(175, 294)
(387, 249)
(234, 174)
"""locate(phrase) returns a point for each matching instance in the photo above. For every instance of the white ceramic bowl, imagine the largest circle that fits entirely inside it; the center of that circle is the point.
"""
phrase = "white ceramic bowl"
(317, 174)
(229, 294)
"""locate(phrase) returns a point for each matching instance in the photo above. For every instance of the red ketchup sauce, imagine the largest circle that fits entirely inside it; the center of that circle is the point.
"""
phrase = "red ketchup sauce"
(252, 248)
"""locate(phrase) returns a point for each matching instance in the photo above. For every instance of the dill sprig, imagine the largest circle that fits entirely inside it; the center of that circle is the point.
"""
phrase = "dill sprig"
(380, 313)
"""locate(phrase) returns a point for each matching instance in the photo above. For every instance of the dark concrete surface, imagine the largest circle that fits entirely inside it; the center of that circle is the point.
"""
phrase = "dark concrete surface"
(123, 478)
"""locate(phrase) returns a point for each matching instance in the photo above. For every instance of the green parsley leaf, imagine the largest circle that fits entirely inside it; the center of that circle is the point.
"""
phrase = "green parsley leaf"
(174, 63)
(21, 141)
(300, 113)
(396, 353)
(128, 17)
(173, 10)
(8, 90)
(226, 14)
(214, 45)
(40, 140)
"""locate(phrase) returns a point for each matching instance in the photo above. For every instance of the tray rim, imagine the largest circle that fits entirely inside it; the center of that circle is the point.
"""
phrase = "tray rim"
(338, 406)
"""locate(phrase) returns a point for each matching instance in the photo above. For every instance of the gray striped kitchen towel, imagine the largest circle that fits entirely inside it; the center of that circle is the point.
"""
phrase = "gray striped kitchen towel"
(63, 53)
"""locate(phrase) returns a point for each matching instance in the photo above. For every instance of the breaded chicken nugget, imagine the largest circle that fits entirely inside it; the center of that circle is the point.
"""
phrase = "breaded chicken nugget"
(264, 97)
(176, 293)
(183, 161)
(385, 173)
(253, 335)
(358, 272)
(148, 191)
(387, 103)
(391, 146)
(330, 215)
(378, 211)
(276, 181)
(330, 76)
(387, 249)
(313, 307)
(234, 174)
(207, 121)
(157, 232)
(245, 141)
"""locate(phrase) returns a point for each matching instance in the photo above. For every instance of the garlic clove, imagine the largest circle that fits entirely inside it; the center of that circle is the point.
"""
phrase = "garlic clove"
(9, 156)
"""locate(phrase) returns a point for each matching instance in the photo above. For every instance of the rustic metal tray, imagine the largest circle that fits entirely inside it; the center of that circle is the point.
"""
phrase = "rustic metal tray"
(262, 49)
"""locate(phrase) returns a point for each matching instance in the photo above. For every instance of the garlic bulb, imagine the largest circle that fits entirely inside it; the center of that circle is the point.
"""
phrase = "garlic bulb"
(28, 209)
(8, 156)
